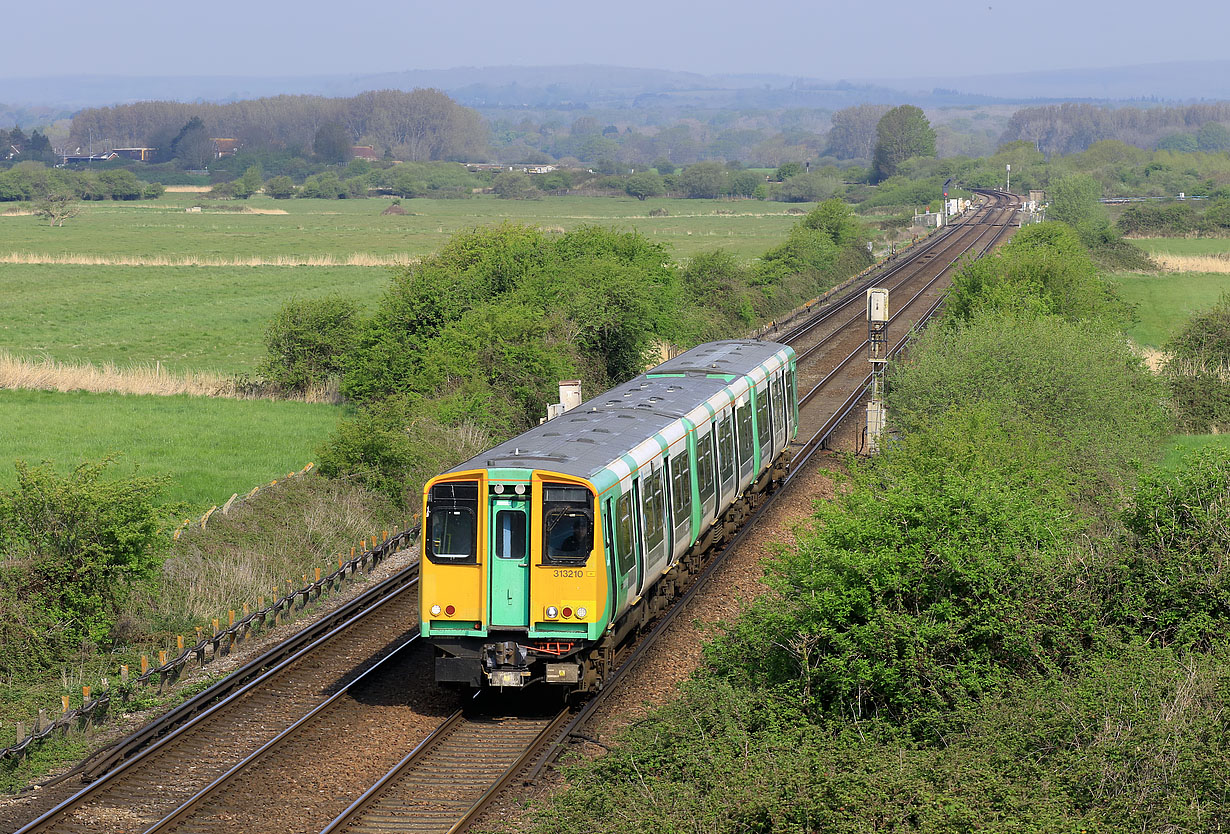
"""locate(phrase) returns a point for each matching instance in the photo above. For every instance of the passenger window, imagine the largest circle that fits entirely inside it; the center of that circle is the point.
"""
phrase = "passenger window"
(623, 509)
(651, 509)
(762, 419)
(779, 405)
(726, 448)
(681, 492)
(510, 534)
(791, 394)
(743, 416)
(704, 466)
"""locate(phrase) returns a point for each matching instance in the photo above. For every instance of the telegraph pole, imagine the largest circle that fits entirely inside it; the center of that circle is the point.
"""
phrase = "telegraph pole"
(877, 348)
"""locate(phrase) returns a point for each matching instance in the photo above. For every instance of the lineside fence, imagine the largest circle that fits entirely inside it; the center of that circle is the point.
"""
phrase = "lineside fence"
(208, 647)
(236, 500)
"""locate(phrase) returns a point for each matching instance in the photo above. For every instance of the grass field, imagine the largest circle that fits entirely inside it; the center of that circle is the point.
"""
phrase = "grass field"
(1181, 444)
(1184, 245)
(93, 305)
(340, 228)
(209, 447)
(186, 317)
(1165, 301)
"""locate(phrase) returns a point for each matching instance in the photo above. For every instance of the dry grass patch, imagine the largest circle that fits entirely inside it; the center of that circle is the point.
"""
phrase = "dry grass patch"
(1219, 264)
(16, 212)
(250, 210)
(78, 259)
(47, 374)
(189, 189)
(273, 540)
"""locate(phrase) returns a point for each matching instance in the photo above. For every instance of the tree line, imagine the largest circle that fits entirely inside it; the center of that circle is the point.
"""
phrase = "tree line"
(418, 125)
(1074, 127)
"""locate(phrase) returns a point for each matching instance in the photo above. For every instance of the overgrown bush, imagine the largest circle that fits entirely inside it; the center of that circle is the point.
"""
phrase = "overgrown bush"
(1197, 370)
(309, 341)
(72, 547)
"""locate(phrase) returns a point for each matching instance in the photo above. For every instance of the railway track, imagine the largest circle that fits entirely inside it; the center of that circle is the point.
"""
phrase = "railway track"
(442, 786)
(170, 771)
(261, 744)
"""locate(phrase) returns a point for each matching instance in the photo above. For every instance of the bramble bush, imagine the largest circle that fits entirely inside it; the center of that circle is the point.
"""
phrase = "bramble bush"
(72, 548)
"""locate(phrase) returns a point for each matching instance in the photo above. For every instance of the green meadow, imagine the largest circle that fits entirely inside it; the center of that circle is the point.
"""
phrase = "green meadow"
(199, 318)
(209, 447)
(1164, 301)
(1184, 245)
(339, 228)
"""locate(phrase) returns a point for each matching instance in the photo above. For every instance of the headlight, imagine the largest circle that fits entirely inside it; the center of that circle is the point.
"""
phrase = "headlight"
(435, 611)
(519, 489)
(552, 612)
(581, 612)
(499, 489)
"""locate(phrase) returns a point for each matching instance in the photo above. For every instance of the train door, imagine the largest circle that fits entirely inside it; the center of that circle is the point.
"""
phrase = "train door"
(638, 536)
(764, 435)
(510, 575)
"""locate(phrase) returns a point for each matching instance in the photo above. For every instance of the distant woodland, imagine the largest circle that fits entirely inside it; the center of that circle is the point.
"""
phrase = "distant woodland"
(417, 126)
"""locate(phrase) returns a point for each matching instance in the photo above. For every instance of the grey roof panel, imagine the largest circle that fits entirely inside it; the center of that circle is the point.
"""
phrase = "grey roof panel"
(585, 440)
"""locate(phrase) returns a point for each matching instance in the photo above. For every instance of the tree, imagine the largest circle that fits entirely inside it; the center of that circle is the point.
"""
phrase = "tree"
(664, 166)
(280, 188)
(645, 184)
(57, 207)
(853, 135)
(745, 183)
(511, 185)
(1074, 200)
(192, 146)
(249, 183)
(901, 134)
(704, 180)
(332, 144)
(787, 170)
(1212, 137)
(1180, 142)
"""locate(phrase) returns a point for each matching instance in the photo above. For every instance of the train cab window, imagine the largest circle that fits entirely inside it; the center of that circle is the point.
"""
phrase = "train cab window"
(763, 435)
(681, 489)
(510, 534)
(743, 417)
(726, 449)
(624, 533)
(567, 524)
(452, 524)
(705, 466)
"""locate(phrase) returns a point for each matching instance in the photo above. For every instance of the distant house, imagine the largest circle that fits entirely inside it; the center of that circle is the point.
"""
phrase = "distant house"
(13, 152)
(474, 167)
(225, 147)
(367, 152)
(86, 159)
(137, 154)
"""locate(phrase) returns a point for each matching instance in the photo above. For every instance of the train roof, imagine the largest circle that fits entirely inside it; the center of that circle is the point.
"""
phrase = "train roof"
(583, 441)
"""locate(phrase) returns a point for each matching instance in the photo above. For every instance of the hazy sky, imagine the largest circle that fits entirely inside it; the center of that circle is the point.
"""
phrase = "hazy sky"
(818, 39)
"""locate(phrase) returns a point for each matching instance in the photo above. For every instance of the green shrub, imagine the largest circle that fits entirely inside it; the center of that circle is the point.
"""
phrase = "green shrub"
(309, 342)
(1197, 370)
(72, 546)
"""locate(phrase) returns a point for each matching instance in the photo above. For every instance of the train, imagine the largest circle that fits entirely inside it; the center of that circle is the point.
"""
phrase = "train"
(543, 554)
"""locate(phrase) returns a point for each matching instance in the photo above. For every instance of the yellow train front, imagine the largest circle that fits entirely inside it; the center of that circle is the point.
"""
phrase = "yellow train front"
(542, 554)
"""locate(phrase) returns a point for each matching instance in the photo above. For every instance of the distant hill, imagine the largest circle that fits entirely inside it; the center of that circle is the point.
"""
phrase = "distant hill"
(1176, 81)
(586, 86)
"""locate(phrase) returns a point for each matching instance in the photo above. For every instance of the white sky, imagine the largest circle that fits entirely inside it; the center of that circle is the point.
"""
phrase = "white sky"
(822, 39)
